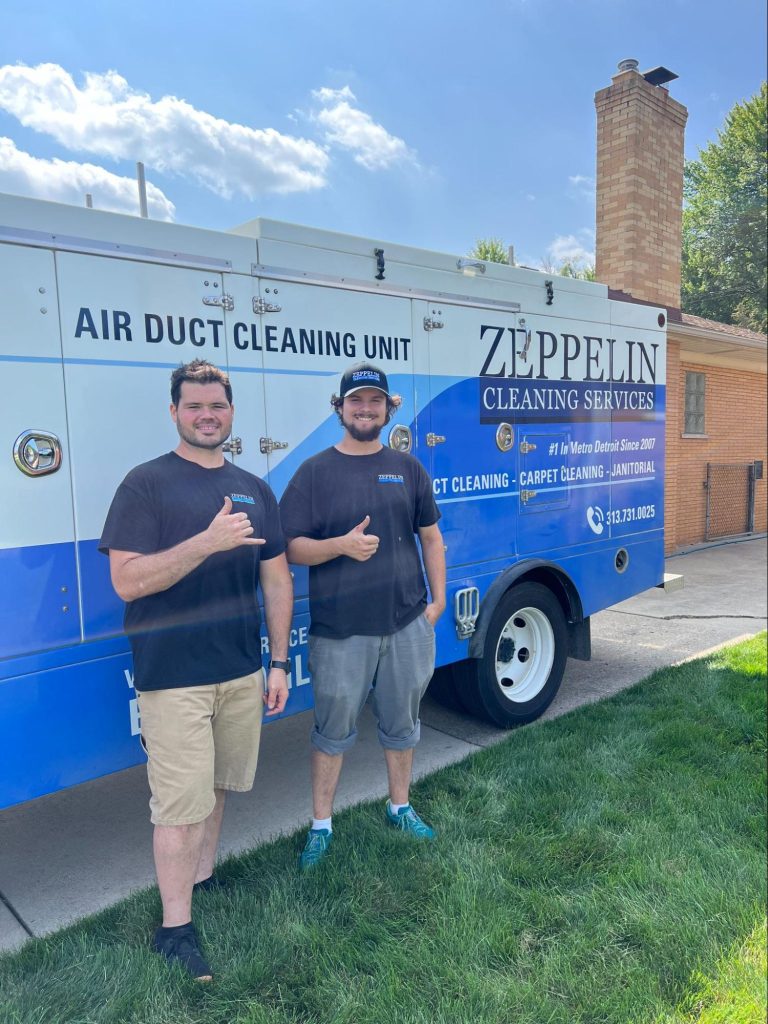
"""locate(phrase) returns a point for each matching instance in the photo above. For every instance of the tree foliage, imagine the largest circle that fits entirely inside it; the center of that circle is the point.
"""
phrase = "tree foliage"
(574, 268)
(492, 250)
(724, 221)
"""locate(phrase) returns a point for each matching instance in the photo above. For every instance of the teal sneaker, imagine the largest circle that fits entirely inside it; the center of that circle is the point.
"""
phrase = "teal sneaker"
(408, 821)
(315, 848)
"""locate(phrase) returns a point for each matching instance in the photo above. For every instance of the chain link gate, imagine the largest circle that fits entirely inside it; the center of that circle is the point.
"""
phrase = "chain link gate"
(730, 499)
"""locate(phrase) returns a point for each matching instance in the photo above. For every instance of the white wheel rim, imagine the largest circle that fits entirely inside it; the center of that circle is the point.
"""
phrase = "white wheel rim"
(524, 654)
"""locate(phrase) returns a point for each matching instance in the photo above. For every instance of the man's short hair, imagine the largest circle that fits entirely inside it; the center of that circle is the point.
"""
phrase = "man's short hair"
(199, 371)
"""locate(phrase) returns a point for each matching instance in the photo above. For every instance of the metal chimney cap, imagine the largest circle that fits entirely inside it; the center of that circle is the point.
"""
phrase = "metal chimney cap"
(659, 76)
(629, 64)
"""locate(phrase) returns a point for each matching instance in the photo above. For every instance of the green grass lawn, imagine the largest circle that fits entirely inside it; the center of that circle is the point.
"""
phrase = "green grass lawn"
(608, 866)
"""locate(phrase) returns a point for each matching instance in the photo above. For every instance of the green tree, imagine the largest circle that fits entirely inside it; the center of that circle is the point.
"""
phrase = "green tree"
(573, 268)
(492, 250)
(724, 221)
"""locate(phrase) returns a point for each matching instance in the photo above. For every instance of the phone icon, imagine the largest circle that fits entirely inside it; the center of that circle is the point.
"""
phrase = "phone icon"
(595, 518)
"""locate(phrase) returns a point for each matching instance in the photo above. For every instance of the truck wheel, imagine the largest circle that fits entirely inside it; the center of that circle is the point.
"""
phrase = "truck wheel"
(524, 657)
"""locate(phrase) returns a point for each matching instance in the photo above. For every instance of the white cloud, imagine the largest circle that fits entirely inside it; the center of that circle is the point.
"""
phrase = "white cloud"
(108, 117)
(583, 184)
(66, 181)
(576, 249)
(326, 95)
(350, 128)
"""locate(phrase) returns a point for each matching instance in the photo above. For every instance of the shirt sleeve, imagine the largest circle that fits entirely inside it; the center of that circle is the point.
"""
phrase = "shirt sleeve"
(273, 530)
(296, 507)
(427, 512)
(132, 521)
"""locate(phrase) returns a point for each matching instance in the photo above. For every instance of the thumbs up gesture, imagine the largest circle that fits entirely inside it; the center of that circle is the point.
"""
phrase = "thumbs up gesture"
(230, 530)
(363, 526)
(358, 544)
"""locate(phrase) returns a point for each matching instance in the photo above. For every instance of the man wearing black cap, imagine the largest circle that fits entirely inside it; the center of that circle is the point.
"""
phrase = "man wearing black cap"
(351, 514)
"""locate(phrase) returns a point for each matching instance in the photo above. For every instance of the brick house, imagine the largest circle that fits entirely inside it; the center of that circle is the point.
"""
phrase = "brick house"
(716, 373)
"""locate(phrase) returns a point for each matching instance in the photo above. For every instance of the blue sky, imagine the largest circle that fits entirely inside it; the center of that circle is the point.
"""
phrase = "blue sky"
(426, 123)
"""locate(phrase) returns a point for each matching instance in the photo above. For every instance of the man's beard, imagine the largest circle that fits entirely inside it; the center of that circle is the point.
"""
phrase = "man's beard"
(369, 433)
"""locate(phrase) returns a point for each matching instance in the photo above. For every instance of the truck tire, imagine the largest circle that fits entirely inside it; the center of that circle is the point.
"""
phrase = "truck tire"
(523, 660)
(444, 689)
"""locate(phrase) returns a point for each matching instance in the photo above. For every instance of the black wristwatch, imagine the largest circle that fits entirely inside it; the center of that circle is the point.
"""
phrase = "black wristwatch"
(284, 665)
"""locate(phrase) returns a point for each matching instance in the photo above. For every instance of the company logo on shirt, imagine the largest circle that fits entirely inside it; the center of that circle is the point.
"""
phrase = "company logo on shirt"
(243, 497)
(391, 478)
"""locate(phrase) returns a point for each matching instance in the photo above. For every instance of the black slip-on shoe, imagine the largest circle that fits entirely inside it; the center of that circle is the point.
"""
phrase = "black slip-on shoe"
(181, 945)
(213, 883)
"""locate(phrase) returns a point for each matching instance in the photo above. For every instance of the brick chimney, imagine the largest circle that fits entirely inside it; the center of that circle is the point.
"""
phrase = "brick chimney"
(640, 132)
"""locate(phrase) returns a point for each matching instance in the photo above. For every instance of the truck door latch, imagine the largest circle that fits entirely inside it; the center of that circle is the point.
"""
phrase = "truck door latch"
(224, 300)
(433, 439)
(267, 445)
(505, 437)
(37, 452)
(234, 445)
(523, 352)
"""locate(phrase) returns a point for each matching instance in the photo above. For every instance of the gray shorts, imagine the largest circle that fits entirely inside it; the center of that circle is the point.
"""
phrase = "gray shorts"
(399, 668)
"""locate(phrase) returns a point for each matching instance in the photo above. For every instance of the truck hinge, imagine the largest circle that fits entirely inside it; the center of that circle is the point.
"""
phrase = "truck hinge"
(267, 445)
(430, 324)
(224, 301)
(262, 306)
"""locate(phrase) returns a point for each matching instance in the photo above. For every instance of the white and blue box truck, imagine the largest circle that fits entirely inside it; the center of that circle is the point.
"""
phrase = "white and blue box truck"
(535, 402)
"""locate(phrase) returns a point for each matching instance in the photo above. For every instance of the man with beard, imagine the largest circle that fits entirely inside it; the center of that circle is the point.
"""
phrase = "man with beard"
(351, 514)
(189, 536)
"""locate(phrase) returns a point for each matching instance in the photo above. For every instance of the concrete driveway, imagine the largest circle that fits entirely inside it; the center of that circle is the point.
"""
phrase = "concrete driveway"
(80, 850)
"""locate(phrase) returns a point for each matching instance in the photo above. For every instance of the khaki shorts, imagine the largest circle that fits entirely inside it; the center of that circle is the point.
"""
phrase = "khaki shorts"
(198, 739)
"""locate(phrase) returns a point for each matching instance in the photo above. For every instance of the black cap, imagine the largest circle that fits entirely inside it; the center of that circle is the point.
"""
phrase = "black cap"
(363, 375)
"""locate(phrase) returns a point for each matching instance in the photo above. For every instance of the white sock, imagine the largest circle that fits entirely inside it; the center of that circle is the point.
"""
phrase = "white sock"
(396, 808)
(318, 823)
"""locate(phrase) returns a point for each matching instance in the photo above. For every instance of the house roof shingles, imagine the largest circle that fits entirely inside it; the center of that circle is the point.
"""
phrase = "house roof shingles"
(689, 320)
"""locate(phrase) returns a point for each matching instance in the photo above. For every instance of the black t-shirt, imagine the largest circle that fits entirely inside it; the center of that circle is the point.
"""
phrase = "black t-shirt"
(205, 628)
(329, 495)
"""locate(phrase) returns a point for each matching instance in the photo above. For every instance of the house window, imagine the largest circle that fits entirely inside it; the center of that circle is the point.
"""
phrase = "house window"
(694, 403)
